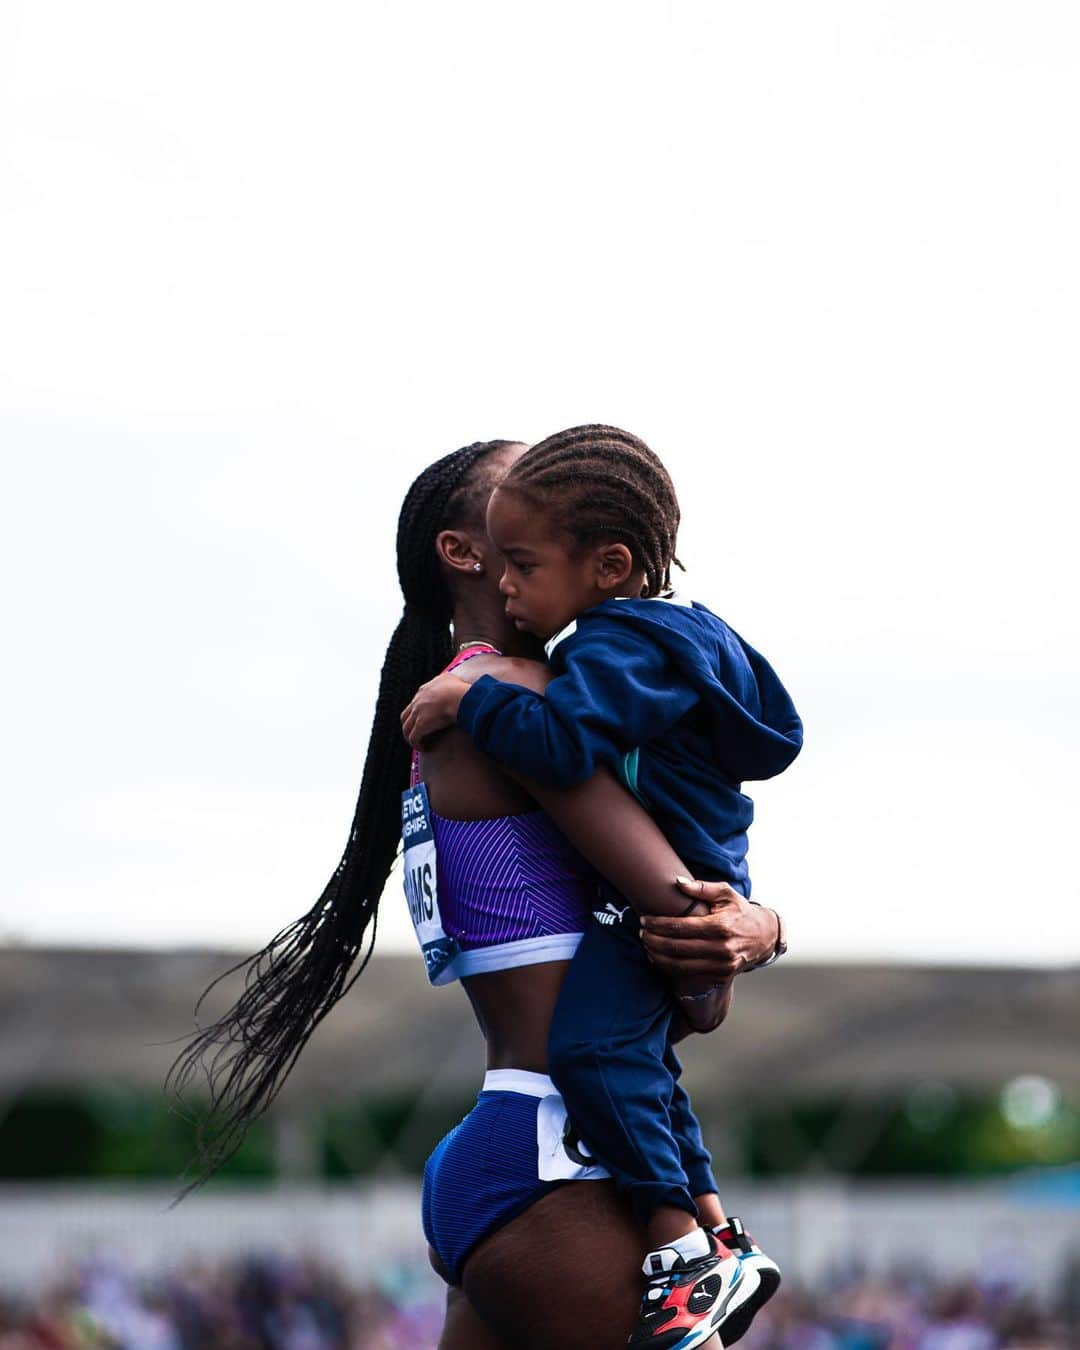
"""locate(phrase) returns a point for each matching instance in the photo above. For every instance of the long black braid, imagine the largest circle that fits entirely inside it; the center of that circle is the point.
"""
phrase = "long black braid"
(294, 981)
(605, 484)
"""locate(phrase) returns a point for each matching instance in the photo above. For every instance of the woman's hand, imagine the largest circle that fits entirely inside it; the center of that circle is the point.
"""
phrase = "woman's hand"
(433, 708)
(728, 937)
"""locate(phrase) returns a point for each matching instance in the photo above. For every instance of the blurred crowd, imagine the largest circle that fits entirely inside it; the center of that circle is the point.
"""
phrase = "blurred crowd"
(271, 1304)
(256, 1304)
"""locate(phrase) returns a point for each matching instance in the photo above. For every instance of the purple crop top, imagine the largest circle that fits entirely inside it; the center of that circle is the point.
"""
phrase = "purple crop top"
(509, 891)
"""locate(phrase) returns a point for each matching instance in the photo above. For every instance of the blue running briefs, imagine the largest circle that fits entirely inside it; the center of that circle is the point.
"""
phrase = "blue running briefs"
(508, 1152)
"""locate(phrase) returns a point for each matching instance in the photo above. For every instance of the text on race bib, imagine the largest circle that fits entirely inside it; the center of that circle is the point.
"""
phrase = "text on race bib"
(422, 885)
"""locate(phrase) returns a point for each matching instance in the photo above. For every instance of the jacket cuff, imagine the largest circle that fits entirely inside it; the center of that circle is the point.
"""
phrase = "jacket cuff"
(478, 699)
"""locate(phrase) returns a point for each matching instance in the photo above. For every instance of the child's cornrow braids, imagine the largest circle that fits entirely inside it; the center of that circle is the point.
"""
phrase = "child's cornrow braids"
(606, 484)
(294, 981)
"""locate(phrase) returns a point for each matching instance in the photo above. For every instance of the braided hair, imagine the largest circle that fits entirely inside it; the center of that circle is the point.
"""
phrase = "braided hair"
(606, 484)
(294, 981)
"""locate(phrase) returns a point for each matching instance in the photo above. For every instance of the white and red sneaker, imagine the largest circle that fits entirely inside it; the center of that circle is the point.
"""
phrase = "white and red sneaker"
(737, 1240)
(688, 1301)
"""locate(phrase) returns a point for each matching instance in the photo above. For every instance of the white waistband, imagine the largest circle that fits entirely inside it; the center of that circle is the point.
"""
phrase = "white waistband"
(511, 955)
(518, 1080)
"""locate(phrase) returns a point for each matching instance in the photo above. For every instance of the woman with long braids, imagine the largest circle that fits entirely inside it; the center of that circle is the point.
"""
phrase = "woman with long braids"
(537, 1260)
(662, 690)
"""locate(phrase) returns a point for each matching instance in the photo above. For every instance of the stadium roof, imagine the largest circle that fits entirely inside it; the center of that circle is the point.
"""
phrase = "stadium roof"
(102, 1018)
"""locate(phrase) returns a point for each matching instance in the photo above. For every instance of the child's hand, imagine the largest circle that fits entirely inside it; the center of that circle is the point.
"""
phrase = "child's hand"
(433, 708)
(703, 1009)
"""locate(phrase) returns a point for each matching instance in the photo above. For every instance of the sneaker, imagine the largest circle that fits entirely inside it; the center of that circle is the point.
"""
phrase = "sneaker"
(738, 1241)
(687, 1302)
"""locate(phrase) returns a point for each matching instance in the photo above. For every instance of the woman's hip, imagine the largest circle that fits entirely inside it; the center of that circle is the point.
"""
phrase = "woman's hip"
(512, 1149)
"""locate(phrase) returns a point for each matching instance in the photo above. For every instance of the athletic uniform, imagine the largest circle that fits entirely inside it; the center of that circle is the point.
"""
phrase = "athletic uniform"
(490, 895)
(670, 697)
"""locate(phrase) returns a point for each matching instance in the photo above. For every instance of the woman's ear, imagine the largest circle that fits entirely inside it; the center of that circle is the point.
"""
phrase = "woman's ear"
(458, 550)
(614, 563)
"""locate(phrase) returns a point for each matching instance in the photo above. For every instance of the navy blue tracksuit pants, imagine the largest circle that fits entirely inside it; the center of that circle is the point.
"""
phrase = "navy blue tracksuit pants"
(611, 1057)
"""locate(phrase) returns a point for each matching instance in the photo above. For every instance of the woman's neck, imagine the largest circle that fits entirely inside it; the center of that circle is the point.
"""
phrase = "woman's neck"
(483, 619)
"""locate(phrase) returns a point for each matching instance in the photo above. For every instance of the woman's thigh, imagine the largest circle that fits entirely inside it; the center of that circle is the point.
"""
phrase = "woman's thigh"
(464, 1329)
(566, 1273)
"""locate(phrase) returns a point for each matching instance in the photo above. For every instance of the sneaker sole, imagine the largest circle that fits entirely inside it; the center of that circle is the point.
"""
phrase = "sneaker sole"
(738, 1320)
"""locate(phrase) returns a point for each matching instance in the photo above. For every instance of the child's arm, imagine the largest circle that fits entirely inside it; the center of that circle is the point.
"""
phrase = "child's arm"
(623, 843)
(616, 692)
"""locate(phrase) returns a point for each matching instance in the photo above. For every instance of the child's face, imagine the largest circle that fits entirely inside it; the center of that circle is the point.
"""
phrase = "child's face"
(546, 583)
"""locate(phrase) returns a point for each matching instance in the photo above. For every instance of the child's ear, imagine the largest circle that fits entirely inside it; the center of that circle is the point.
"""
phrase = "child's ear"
(614, 563)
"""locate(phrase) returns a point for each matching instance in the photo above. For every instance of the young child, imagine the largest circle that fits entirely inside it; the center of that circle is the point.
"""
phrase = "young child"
(671, 698)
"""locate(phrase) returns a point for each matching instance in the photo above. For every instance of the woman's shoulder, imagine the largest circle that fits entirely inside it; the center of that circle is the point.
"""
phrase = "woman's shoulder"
(509, 669)
(462, 783)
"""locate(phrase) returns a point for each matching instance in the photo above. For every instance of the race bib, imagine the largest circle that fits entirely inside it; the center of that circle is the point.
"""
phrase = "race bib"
(422, 885)
(562, 1154)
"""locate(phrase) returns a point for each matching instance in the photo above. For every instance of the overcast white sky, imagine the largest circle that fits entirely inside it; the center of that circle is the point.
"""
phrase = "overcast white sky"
(259, 263)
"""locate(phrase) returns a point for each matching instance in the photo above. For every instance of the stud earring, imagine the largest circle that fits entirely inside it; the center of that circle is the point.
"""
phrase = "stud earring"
(478, 567)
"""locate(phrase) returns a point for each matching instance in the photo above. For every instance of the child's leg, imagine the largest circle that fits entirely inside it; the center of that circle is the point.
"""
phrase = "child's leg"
(757, 1266)
(607, 1049)
(710, 1210)
(610, 1058)
(695, 1158)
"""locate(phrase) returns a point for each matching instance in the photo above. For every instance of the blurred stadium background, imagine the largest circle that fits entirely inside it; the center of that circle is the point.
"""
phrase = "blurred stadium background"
(904, 1138)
